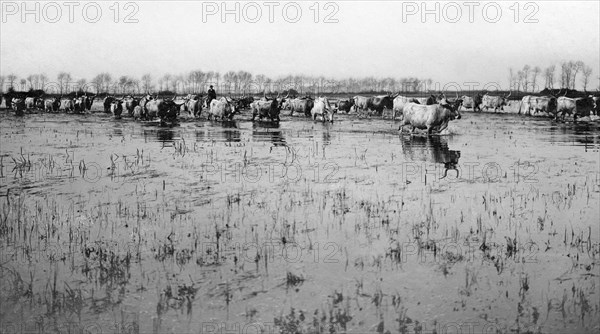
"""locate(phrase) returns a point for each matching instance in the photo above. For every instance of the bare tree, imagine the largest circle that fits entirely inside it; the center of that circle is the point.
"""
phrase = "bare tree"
(166, 79)
(81, 84)
(108, 80)
(147, 82)
(30, 79)
(36, 81)
(586, 72)
(534, 74)
(98, 82)
(102, 82)
(576, 67)
(549, 75)
(526, 70)
(260, 80)
(244, 78)
(2, 80)
(63, 81)
(210, 75)
(123, 80)
(43, 80)
(299, 83)
(179, 81)
(229, 78)
(11, 78)
(521, 81)
(511, 78)
(196, 78)
(137, 86)
(565, 74)
(217, 77)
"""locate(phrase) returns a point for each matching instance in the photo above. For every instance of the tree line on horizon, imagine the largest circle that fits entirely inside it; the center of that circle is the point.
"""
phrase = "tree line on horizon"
(563, 76)
(242, 82)
(198, 81)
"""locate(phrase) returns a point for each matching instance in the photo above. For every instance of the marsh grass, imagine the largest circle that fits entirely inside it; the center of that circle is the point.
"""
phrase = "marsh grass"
(374, 248)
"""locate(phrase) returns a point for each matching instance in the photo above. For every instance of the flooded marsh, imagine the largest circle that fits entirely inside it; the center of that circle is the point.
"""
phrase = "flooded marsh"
(118, 226)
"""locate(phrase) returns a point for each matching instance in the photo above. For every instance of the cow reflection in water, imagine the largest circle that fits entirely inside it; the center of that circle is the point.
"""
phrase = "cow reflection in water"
(326, 138)
(226, 130)
(160, 135)
(231, 133)
(118, 132)
(164, 135)
(264, 131)
(433, 149)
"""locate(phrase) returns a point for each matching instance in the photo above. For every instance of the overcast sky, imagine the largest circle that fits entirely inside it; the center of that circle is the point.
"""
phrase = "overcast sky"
(370, 38)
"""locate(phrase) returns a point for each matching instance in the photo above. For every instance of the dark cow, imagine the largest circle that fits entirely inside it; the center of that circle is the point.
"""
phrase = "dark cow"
(171, 110)
(165, 109)
(89, 101)
(581, 106)
(116, 108)
(80, 104)
(345, 105)
(455, 102)
(323, 109)
(268, 108)
(433, 118)
(477, 101)
(18, 105)
(8, 101)
(39, 103)
(382, 102)
(494, 102)
(142, 104)
(375, 103)
(107, 103)
(245, 101)
(596, 101)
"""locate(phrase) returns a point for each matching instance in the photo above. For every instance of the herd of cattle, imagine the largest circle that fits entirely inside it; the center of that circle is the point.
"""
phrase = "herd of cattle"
(430, 113)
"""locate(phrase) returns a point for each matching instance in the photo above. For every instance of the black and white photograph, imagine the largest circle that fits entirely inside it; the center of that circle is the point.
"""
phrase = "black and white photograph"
(299, 167)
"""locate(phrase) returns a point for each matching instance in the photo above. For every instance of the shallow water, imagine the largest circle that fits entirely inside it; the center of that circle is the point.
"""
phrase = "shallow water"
(300, 226)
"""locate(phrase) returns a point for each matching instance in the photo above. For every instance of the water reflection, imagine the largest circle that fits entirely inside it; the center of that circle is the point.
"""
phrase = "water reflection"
(580, 134)
(117, 131)
(326, 138)
(164, 135)
(262, 132)
(231, 133)
(433, 149)
(227, 131)
(161, 135)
